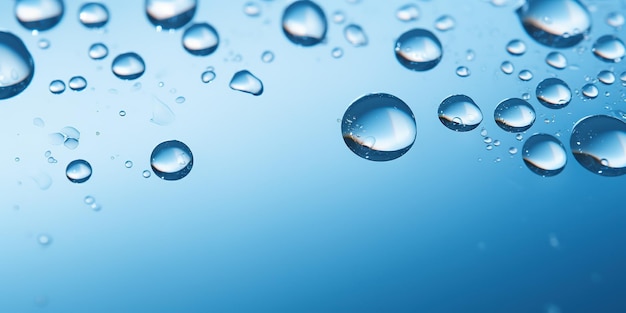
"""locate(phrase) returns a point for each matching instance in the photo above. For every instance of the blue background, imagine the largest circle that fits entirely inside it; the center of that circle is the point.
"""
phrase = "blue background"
(277, 214)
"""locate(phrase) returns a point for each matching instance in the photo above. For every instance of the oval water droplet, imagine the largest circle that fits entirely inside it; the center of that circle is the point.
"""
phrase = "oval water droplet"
(267, 56)
(606, 77)
(462, 71)
(246, 82)
(89, 200)
(418, 50)
(146, 174)
(339, 17)
(555, 23)
(304, 23)
(57, 87)
(445, 23)
(379, 127)
(544, 155)
(460, 113)
(43, 44)
(39, 14)
(609, 48)
(251, 9)
(78, 171)
(355, 35)
(337, 52)
(557, 60)
(98, 51)
(516, 47)
(128, 66)
(180, 99)
(598, 143)
(525, 75)
(200, 39)
(590, 91)
(514, 115)
(615, 19)
(77, 83)
(171, 160)
(207, 76)
(170, 14)
(93, 15)
(507, 67)
(128, 164)
(44, 240)
(553, 93)
(408, 12)
(16, 66)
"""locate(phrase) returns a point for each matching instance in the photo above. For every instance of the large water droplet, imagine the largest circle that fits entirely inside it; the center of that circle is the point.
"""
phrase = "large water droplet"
(128, 66)
(606, 77)
(77, 83)
(516, 47)
(78, 171)
(16, 66)
(460, 113)
(408, 12)
(304, 23)
(557, 60)
(590, 91)
(57, 87)
(418, 50)
(98, 51)
(379, 127)
(170, 14)
(246, 82)
(445, 23)
(514, 115)
(555, 23)
(599, 144)
(93, 15)
(355, 35)
(553, 93)
(544, 155)
(609, 48)
(39, 14)
(171, 160)
(200, 39)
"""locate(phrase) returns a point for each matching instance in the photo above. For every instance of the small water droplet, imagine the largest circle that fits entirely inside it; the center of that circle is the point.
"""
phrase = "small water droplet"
(77, 83)
(89, 200)
(128, 164)
(408, 12)
(445, 23)
(590, 91)
(418, 50)
(52, 160)
(507, 67)
(39, 15)
(339, 17)
(512, 150)
(146, 174)
(514, 115)
(38, 121)
(267, 56)
(483, 132)
(128, 66)
(487, 140)
(544, 155)
(304, 23)
(57, 87)
(251, 9)
(170, 14)
(16, 65)
(555, 23)
(460, 113)
(597, 138)
(200, 39)
(246, 82)
(122, 113)
(93, 15)
(609, 48)
(526, 96)
(462, 71)
(519, 137)
(553, 93)
(525, 75)
(557, 60)
(180, 100)
(606, 77)
(78, 171)
(470, 55)
(98, 51)
(171, 160)
(207, 76)
(337, 52)
(43, 44)
(516, 47)
(44, 240)
(355, 35)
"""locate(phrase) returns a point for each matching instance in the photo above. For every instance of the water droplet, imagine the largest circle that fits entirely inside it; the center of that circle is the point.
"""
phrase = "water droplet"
(128, 66)
(339, 17)
(615, 19)
(246, 82)
(600, 137)
(200, 39)
(553, 93)
(445, 23)
(251, 9)
(526, 96)
(78, 171)
(487, 140)
(483, 132)
(355, 35)
(95, 206)
(16, 65)
(470, 55)
(146, 174)
(516, 47)
(557, 60)
(507, 67)
(52, 160)
(93, 15)
(267, 56)
(519, 137)
(89, 200)
(418, 50)
(39, 14)
(44, 240)
(514, 115)
(609, 48)
(304, 23)
(379, 127)
(207, 76)
(98, 51)
(171, 160)
(337, 52)
(460, 113)
(180, 99)
(77, 83)
(512, 150)
(544, 155)
(57, 87)
(606, 77)
(462, 71)
(170, 14)
(408, 12)
(122, 113)
(43, 44)
(489, 147)
(525, 75)
(38, 121)
(128, 164)
(555, 23)
(590, 91)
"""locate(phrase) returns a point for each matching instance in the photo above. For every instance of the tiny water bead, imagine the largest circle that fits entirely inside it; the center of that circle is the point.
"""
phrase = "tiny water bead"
(460, 113)
(408, 12)
(445, 23)
(516, 47)
(615, 19)
(336, 53)
(507, 67)
(606, 77)
(251, 9)
(78, 171)
(146, 174)
(590, 91)
(89, 200)
(44, 240)
(43, 44)
(170, 14)
(39, 14)
(304, 23)
(93, 15)
(339, 17)
(16, 66)
(207, 76)
(267, 56)
(514, 115)
(77, 83)
(462, 71)
(525, 75)
(544, 155)
(418, 50)
(200, 39)
(555, 23)
(98, 51)
(128, 66)
(379, 127)
(122, 113)
(609, 48)
(171, 160)
(553, 93)
(128, 164)
(512, 150)
(246, 82)
(180, 99)
(57, 86)
(557, 60)
(355, 35)
(599, 144)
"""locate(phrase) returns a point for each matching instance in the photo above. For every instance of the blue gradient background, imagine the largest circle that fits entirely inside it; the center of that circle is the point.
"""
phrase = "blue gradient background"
(278, 215)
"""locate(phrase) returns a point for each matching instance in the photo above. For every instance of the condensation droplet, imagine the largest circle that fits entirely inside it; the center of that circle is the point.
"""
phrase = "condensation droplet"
(609, 48)
(246, 82)
(553, 93)
(544, 155)
(606, 77)
(78, 171)
(590, 91)
(304, 23)
(57, 87)
(251, 9)
(408, 12)
(128, 164)
(207, 76)
(445, 23)
(557, 60)
(98, 51)
(462, 71)
(128, 66)
(525, 75)
(200, 39)
(460, 113)
(16, 65)
(418, 50)
(170, 14)
(555, 23)
(507, 67)
(77, 83)
(171, 160)
(516, 47)
(337, 52)
(355, 35)
(598, 142)
(93, 15)
(267, 56)
(39, 15)
(514, 115)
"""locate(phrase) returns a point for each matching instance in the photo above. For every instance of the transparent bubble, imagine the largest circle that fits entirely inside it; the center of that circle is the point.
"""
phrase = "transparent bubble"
(246, 82)
(43, 44)
(98, 51)
(128, 164)
(525, 75)
(615, 19)
(507, 67)
(418, 50)
(93, 15)
(122, 113)
(516, 47)
(267, 56)
(146, 174)
(557, 60)
(339, 17)
(512, 150)
(553, 93)
(470, 55)
(200, 39)
(445, 23)
(555, 23)
(355, 35)
(39, 14)
(462, 71)
(590, 91)
(408, 12)
(78, 171)
(251, 9)
(128, 66)
(304, 23)
(171, 160)
(16, 66)
(460, 113)
(609, 48)
(57, 87)
(89, 200)
(207, 76)
(599, 144)
(514, 115)
(379, 127)
(606, 77)
(44, 239)
(77, 83)
(544, 155)
(170, 14)
(180, 99)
